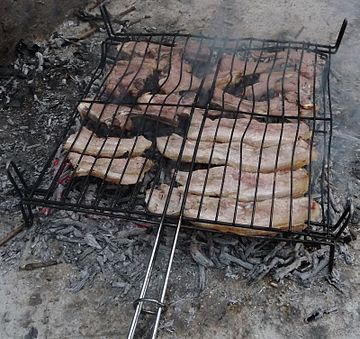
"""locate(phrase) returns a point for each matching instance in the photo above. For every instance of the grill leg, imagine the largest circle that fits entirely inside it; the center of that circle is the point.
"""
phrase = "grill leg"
(20, 186)
(331, 258)
(27, 215)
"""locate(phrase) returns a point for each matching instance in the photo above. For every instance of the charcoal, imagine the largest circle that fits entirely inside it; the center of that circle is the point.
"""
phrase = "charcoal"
(284, 271)
(272, 254)
(318, 267)
(200, 257)
(91, 241)
(202, 277)
(225, 240)
(343, 250)
(334, 280)
(262, 270)
(319, 313)
(227, 258)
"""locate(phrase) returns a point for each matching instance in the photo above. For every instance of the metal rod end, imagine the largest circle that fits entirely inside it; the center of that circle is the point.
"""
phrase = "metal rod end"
(340, 35)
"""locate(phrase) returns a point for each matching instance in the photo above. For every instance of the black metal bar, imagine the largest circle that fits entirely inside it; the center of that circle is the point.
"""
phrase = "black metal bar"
(340, 37)
(107, 20)
(343, 221)
(16, 178)
(252, 115)
(331, 258)
(13, 171)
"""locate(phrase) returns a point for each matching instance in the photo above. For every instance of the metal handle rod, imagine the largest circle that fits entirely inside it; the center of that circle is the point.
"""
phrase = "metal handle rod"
(136, 316)
(145, 285)
(166, 280)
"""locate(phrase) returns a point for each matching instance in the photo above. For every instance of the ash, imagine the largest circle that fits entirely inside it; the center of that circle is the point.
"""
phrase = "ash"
(117, 253)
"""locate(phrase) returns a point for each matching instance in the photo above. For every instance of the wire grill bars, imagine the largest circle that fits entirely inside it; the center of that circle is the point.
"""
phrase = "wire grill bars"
(232, 135)
(226, 112)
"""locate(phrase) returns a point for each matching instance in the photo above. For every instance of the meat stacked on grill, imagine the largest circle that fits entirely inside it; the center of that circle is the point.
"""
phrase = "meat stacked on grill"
(101, 157)
(243, 136)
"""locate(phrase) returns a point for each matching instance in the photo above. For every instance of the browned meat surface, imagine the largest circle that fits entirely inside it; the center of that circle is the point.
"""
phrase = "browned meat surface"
(232, 63)
(223, 79)
(129, 77)
(167, 113)
(293, 57)
(116, 171)
(268, 213)
(251, 131)
(178, 78)
(279, 83)
(231, 102)
(228, 181)
(235, 154)
(87, 142)
(197, 51)
(109, 114)
(121, 116)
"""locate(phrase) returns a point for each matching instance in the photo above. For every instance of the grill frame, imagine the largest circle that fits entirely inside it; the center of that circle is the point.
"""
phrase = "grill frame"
(326, 232)
(35, 195)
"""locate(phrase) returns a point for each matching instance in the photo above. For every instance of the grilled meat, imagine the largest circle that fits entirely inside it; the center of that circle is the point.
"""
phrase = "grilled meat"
(129, 78)
(226, 181)
(87, 142)
(234, 64)
(235, 154)
(268, 213)
(121, 116)
(293, 57)
(153, 104)
(117, 171)
(250, 131)
(144, 49)
(109, 114)
(279, 83)
(274, 106)
(178, 78)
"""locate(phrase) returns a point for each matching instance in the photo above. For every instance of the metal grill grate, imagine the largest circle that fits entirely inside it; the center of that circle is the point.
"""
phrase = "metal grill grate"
(231, 135)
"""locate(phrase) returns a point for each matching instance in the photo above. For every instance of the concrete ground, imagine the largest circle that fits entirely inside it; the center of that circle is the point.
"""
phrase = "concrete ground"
(38, 304)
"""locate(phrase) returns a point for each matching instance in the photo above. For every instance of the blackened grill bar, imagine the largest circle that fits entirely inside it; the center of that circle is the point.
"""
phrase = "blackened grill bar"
(228, 98)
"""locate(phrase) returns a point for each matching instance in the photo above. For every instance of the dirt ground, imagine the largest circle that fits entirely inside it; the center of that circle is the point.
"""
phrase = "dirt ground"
(39, 304)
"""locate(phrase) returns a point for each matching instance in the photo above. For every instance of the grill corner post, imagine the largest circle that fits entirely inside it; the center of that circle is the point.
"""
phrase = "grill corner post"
(16, 179)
